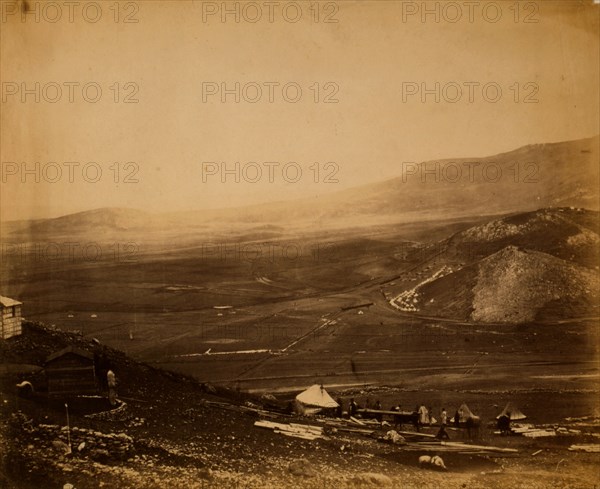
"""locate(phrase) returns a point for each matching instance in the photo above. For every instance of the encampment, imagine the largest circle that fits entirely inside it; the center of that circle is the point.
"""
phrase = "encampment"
(512, 411)
(313, 400)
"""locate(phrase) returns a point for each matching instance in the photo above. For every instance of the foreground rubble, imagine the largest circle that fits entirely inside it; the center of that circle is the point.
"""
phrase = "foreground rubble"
(172, 432)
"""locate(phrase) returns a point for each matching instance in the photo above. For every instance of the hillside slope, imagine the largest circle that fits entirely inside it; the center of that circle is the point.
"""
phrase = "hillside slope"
(534, 176)
(171, 431)
(568, 233)
(514, 285)
(540, 265)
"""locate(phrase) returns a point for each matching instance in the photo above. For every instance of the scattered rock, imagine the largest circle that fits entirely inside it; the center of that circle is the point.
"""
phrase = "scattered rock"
(371, 479)
(302, 468)
(100, 454)
(60, 446)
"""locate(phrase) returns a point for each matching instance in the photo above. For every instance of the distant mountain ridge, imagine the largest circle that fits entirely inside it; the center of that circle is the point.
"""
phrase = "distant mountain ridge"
(528, 178)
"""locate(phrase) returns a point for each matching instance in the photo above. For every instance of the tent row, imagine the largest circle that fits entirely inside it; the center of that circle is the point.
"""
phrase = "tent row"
(316, 399)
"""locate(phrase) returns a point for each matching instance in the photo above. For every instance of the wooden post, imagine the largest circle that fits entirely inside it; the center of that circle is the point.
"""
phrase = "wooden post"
(68, 428)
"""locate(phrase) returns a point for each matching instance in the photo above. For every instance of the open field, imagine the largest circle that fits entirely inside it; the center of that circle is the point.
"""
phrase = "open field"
(277, 322)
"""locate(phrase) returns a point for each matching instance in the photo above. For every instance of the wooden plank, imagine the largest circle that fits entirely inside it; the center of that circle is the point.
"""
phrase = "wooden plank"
(304, 436)
(307, 426)
(362, 431)
(480, 447)
(462, 448)
(383, 411)
(415, 433)
(269, 424)
(586, 447)
(294, 429)
(538, 433)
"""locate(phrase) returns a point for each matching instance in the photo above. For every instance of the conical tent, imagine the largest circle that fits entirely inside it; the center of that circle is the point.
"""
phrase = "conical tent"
(313, 400)
(465, 413)
(512, 411)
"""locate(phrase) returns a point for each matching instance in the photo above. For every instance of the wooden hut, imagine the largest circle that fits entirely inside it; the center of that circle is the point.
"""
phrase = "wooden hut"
(10, 317)
(71, 372)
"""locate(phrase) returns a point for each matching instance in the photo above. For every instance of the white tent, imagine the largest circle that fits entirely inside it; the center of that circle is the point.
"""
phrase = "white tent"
(313, 400)
(465, 413)
(513, 411)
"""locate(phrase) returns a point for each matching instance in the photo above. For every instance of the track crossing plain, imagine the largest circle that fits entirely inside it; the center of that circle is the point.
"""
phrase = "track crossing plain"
(289, 326)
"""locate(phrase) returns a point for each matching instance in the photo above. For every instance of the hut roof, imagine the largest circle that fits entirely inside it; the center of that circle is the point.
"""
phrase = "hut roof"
(70, 349)
(8, 302)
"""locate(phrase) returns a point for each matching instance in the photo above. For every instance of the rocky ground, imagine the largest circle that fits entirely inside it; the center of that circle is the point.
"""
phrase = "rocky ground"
(171, 431)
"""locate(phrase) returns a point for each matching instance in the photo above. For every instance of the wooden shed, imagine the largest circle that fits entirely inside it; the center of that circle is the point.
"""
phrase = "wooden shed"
(71, 372)
(10, 317)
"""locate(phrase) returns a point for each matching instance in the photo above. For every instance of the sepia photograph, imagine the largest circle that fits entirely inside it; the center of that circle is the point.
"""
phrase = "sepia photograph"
(301, 244)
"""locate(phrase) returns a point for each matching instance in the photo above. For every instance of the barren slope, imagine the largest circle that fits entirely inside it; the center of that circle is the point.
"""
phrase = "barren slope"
(514, 285)
(534, 265)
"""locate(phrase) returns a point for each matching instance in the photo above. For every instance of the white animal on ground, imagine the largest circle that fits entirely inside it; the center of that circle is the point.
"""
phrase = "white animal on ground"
(424, 459)
(438, 462)
(429, 460)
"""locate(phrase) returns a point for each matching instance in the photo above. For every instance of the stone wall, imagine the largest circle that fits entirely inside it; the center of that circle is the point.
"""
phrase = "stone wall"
(84, 442)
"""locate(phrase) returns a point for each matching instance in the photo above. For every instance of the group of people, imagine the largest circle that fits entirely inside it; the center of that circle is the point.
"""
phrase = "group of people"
(425, 418)
(422, 416)
(425, 415)
(353, 406)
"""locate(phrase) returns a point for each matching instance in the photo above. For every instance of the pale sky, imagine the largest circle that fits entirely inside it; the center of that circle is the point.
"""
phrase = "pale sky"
(366, 57)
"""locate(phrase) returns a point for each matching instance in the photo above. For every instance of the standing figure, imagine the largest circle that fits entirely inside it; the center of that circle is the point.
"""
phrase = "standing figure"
(423, 415)
(415, 418)
(397, 419)
(112, 387)
(378, 416)
(470, 423)
(504, 424)
(353, 407)
(444, 417)
(442, 433)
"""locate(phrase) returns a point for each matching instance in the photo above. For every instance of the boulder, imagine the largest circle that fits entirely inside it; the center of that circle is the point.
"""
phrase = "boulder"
(302, 468)
(368, 479)
(61, 446)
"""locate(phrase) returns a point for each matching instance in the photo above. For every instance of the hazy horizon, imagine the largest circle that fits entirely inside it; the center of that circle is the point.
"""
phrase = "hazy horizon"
(292, 199)
(366, 65)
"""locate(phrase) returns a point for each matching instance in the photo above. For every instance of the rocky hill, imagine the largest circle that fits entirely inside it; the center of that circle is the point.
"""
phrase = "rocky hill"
(540, 265)
(567, 233)
(516, 285)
